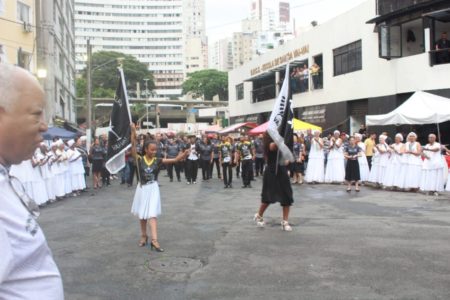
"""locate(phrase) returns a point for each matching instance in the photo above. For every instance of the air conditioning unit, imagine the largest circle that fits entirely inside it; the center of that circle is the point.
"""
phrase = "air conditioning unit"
(27, 27)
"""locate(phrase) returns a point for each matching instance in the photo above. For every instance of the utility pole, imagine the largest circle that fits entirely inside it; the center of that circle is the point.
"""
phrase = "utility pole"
(146, 97)
(89, 93)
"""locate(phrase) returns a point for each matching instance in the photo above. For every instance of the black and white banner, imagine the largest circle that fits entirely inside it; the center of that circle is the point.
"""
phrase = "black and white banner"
(119, 136)
(281, 124)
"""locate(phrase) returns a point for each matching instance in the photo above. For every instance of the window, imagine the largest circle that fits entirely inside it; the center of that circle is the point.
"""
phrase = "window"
(23, 12)
(240, 91)
(347, 58)
(390, 41)
(23, 59)
(2, 6)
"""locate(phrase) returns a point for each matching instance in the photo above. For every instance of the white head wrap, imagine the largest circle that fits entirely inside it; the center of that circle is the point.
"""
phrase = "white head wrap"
(382, 137)
(412, 134)
(70, 143)
(399, 135)
(358, 136)
(336, 132)
(83, 138)
(54, 144)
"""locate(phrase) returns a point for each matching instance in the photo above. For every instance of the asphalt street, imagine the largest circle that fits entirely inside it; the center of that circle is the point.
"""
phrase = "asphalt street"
(372, 245)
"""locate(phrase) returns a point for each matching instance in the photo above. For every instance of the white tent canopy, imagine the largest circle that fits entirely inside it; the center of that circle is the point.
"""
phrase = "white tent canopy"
(420, 108)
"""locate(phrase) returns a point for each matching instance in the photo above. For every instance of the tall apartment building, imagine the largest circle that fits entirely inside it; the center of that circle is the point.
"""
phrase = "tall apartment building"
(196, 44)
(158, 33)
(18, 33)
(221, 55)
(56, 55)
(268, 27)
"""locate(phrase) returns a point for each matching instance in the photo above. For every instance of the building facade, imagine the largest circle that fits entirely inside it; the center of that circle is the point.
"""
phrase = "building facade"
(18, 33)
(156, 32)
(356, 76)
(56, 55)
(221, 55)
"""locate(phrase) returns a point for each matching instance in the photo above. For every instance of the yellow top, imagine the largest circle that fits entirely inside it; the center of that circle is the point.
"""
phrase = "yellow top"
(370, 145)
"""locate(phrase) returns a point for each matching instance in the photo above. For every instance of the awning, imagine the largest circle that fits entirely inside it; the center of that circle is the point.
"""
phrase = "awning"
(403, 11)
(57, 132)
(420, 108)
(442, 15)
(299, 125)
(236, 127)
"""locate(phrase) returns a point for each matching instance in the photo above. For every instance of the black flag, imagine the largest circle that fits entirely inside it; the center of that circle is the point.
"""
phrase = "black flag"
(119, 133)
(280, 126)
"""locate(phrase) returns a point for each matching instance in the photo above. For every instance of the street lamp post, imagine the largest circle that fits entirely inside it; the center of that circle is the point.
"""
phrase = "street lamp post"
(89, 95)
(146, 96)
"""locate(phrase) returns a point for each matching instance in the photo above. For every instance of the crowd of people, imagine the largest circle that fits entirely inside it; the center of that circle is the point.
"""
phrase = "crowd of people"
(386, 163)
(55, 171)
(300, 78)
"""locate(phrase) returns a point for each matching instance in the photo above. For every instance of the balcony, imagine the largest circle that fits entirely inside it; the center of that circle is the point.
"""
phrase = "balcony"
(267, 92)
(388, 6)
(439, 57)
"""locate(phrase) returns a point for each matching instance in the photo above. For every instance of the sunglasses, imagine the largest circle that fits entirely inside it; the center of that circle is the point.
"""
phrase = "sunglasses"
(25, 199)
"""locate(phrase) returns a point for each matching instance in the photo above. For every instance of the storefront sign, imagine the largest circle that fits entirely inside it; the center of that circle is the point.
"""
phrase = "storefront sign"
(280, 60)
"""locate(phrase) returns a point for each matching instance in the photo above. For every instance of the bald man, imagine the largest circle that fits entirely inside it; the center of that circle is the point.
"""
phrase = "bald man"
(27, 269)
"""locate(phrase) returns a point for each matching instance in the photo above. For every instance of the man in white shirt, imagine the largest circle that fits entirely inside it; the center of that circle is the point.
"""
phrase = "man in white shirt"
(27, 269)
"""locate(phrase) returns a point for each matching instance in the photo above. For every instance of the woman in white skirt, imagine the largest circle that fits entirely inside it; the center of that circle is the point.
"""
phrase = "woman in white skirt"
(395, 169)
(380, 161)
(40, 194)
(64, 165)
(315, 168)
(335, 171)
(76, 168)
(362, 159)
(432, 179)
(413, 163)
(47, 175)
(147, 202)
(58, 172)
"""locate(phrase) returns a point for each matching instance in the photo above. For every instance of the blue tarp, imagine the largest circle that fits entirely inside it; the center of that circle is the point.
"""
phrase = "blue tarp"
(58, 132)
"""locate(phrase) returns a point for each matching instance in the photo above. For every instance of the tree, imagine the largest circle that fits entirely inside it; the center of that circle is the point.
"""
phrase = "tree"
(104, 74)
(207, 84)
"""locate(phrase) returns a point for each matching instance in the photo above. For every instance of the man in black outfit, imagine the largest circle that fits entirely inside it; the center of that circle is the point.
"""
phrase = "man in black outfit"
(172, 151)
(443, 48)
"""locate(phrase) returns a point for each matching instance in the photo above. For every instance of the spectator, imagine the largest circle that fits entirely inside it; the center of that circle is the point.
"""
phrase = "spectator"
(27, 268)
(315, 72)
(443, 46)
(370, 145)
(305, 77)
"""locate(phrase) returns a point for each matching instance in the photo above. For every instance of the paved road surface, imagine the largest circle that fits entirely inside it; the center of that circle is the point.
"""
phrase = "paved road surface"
(372, 245)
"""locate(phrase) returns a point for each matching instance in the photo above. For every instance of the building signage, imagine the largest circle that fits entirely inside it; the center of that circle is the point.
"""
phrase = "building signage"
(280, 60)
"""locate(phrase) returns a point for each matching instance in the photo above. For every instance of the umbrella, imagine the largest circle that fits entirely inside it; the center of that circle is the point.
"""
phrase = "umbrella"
(298, 126)
(213, 129)
(58, 132)
(236, 127)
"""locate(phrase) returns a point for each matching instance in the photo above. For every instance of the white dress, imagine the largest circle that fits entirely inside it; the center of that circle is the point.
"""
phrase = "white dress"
(76, 170)
(47, 176)
(60, 179)
(335, 171)
(363, 164)
(432, 179)
(395, 169)
(315, 169)
(40, 195)
(413, 167)
(379, 163)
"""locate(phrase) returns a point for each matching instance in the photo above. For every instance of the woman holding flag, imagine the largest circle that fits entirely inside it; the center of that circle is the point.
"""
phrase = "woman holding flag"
(147, 202)
(278, 144)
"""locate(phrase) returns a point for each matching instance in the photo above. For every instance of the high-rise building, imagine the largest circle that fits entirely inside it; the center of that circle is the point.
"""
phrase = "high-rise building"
(221, 55)
(196, 44)
(268, 27)
(167, 35)
(56, 55)
(18, 33)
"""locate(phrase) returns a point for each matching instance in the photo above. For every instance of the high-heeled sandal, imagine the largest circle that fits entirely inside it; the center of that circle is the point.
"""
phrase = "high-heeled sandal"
(259, 220)
(154, 245)
(143, 241)
(285, 226)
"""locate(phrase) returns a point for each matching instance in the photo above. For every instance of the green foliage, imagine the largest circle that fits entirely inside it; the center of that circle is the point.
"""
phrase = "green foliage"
(105, 77)
(207, 84)
(138, 109)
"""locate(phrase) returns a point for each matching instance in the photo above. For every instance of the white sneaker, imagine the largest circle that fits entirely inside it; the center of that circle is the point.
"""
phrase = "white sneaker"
(259, 220)
(285, 226)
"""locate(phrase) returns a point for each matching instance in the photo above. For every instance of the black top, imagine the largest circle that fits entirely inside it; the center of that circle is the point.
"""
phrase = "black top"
(98, 152)
(353, 151)
(148, 172)
(205, 151)
(172, 150)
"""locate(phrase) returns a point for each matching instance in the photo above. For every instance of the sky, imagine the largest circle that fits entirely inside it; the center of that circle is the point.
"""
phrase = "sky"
(223, 16)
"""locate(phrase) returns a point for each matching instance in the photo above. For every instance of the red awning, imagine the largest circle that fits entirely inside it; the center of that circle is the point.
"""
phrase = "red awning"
(236, 127)
(260, 129)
